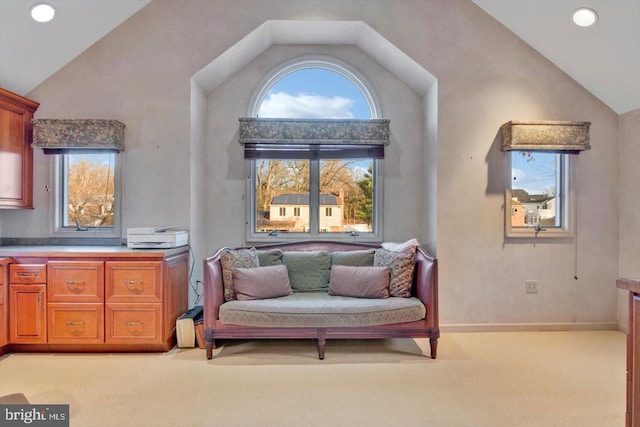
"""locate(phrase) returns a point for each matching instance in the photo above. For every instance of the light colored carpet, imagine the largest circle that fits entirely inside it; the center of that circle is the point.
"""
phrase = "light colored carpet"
(479, 379)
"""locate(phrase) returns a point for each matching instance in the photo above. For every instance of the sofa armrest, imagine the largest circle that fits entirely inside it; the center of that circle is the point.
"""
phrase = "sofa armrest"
(213, 289)
(426, 285)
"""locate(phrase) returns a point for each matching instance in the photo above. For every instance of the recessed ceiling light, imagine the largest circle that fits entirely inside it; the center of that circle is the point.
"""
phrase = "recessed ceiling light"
(42, 12)
(585, 17)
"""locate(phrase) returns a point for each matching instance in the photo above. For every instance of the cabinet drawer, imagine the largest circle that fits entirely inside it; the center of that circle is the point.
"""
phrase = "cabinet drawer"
(134, 282)
(79, 281)
(134, 323)
(75, 323)
(28, 273)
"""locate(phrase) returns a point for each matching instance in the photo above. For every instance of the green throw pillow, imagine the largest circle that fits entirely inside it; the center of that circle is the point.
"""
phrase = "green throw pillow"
(359, 258)
(269, 257)
(308, 271)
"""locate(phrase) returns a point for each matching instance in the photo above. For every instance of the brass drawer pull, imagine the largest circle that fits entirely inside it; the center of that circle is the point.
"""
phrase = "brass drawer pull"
(133, 323)
(75, 286)
(28, 275)
(135, 328)
(76, 328)
(135, 286)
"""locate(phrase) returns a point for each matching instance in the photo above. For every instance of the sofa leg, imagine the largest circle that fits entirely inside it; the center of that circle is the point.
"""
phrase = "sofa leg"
(209, 346)
(434, 347)
(322, 342)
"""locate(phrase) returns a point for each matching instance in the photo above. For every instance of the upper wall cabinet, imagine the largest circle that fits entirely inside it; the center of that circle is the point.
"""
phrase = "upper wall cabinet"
(16, 154)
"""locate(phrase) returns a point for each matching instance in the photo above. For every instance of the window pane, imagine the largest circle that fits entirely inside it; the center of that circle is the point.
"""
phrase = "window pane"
(88, 190)
(535, 189)
(315, 93)
(282, 195)
(346, 195)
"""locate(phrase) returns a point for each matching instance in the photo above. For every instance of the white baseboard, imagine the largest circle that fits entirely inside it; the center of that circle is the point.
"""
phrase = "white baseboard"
(522, 327)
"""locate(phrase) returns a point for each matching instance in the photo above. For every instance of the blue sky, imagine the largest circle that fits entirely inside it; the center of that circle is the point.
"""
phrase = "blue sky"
(534, 173)
(315, 93)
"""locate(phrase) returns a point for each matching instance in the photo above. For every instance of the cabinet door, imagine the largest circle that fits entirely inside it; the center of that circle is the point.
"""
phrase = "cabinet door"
(16, 154)
(3, 320)
(28, 314)
(4, 328)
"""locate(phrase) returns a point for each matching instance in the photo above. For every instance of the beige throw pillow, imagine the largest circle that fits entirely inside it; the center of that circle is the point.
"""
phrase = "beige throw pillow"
(261, 282)
(360, 282)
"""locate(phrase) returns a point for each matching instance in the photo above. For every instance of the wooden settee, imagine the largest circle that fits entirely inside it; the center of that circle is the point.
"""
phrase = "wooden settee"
(424, 289)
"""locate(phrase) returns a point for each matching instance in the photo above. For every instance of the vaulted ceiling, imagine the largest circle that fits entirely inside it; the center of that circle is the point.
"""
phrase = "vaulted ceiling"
(605, 58)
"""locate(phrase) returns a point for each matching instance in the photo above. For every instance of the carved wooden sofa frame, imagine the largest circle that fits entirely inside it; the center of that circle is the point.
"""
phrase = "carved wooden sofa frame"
(425, 288)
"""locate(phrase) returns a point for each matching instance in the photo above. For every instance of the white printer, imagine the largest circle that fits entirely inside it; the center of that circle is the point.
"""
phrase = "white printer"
(156, 238)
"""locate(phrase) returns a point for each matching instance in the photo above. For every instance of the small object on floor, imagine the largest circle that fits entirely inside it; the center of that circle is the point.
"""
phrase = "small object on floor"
(14, 399)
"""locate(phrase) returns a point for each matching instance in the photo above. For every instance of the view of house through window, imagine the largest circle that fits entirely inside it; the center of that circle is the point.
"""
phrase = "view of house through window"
(340, 191)
(88, 190)
(536, 189)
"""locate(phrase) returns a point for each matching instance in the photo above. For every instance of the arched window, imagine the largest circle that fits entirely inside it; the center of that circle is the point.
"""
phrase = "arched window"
(297, 194)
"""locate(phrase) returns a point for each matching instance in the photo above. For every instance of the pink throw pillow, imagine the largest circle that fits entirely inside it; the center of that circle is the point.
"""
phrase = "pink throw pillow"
(360, 282)
(261, 282)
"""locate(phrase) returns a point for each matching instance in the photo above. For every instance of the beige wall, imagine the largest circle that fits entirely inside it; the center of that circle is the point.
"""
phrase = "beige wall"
(141, 74)
(629, 260)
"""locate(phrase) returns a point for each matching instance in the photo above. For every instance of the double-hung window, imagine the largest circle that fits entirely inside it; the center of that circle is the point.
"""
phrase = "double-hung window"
(87, 195)
(313, 170)
(541, 156)
(538, 195)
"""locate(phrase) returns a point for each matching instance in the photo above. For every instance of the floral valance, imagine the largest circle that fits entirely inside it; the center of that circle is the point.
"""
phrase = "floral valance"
(554, 136)
(77, 135)
(313, 138)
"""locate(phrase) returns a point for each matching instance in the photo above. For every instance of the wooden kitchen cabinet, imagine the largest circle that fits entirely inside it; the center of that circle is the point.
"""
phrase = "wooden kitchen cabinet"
(27, 304)
(4, 303)
(94, 299)
(27, 321)
(633, 351)
(16, 154)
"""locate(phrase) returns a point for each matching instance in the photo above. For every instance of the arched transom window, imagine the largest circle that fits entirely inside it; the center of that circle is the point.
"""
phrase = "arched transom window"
(330, 187)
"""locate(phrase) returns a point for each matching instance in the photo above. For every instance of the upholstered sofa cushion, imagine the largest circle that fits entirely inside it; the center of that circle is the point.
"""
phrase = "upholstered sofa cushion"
(308, 271)
(235, 258)
(319, 309)
(401, 265)
(359, 258)
(261, 282)
(359, 282)
(269, 257)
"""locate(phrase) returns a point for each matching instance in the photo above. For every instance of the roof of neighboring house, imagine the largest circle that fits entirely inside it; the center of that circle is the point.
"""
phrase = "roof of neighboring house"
(303, 199)
(524, 197)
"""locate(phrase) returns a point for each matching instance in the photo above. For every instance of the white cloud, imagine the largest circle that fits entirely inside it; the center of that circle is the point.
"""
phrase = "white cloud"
(302, 105)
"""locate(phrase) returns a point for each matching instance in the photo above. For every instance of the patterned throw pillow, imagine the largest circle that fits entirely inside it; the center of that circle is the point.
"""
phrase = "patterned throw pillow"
(235, 258)
(401, 266)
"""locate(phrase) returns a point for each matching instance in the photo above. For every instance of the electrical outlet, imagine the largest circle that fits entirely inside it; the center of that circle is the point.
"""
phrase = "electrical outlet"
(531, 287)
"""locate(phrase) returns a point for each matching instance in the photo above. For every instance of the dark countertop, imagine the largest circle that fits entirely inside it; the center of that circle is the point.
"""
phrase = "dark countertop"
(86, 251)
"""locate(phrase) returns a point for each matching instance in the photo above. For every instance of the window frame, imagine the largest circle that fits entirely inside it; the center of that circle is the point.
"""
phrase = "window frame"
(565, 187)
(314, 233)
(263, 88)
(57, 229)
